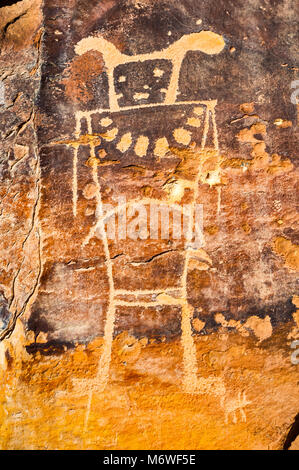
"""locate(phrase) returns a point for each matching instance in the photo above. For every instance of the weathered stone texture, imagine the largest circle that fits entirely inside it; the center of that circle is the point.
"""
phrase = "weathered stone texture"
(110, 99)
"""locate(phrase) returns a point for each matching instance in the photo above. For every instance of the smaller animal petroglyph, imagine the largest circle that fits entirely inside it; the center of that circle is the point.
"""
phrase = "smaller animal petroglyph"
(232, 405)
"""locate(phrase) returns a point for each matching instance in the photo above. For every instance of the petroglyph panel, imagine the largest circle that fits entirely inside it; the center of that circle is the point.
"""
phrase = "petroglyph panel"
(132, 107)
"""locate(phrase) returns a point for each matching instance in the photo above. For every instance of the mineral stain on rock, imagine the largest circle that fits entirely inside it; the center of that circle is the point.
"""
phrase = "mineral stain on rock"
(135, 337)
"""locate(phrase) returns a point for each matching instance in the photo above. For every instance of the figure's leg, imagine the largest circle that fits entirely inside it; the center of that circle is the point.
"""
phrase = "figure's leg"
(104, 363)
(189, 349)
(102, 375)
(243, 415)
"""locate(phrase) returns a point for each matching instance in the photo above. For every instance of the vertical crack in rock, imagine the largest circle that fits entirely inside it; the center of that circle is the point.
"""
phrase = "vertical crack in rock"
(15, 312)
(292, 434)
(19, 128)
(26, 279)
(34, 229)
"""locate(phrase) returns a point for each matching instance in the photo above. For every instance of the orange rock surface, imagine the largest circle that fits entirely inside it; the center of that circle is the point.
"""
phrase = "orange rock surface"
(97, 105)
(44, 396)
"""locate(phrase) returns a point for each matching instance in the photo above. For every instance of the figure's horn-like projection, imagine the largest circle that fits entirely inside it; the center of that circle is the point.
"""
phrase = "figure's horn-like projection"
(204, 41)
(97, 44)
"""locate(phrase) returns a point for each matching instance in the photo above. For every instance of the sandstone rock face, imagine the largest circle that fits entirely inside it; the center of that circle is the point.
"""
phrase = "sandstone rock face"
(120, 329)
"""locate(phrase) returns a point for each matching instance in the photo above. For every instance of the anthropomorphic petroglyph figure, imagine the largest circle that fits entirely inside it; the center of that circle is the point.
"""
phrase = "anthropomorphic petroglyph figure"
(203, 112)
(209, 43)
